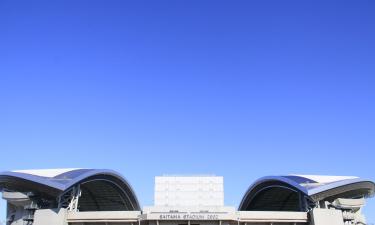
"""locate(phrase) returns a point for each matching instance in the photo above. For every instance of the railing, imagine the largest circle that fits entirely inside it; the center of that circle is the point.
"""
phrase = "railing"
(272, 217)
(239, 218)
(103, 216)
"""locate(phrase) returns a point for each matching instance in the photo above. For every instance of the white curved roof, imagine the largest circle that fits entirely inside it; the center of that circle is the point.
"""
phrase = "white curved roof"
(325, 179)
(56, 181)
(46, 172)
(314, 186)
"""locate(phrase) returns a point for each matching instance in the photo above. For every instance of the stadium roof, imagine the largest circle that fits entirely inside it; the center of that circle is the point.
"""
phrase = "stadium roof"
(109, 185)
(314, 187)
(54, 182)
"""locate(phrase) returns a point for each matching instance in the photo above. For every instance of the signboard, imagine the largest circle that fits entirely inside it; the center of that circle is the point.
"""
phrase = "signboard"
(189, 216)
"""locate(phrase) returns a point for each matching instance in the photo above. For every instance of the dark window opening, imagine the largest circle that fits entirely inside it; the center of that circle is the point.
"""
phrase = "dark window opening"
(275, 198)
(101, 195)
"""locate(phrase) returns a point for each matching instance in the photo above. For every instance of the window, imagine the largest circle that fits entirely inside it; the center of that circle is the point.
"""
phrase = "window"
(102, 195)
(275, 198)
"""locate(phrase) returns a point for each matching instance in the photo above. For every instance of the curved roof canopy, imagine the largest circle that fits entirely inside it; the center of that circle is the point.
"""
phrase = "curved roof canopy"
(292, 192)
(96, 185)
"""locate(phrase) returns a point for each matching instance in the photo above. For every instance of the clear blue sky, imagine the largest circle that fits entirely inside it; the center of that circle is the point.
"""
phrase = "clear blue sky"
(240, 89)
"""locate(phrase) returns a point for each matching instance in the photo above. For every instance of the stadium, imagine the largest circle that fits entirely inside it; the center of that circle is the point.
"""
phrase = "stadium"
(105, 197)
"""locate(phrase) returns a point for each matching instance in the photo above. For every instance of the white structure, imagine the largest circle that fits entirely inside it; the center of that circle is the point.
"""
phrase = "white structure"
(96, 197)
(189, 191)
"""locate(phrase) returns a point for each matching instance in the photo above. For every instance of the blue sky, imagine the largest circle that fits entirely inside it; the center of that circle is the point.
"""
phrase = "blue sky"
(240, 89)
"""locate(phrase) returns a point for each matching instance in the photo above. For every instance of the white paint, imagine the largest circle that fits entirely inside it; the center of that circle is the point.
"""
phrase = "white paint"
(46, 172)
(326, 179)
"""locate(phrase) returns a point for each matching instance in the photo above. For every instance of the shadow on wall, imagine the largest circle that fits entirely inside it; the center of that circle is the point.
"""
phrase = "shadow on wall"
(2, 212)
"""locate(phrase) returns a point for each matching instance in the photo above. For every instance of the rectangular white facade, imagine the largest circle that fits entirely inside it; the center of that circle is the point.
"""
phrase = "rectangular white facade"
(189, 191)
